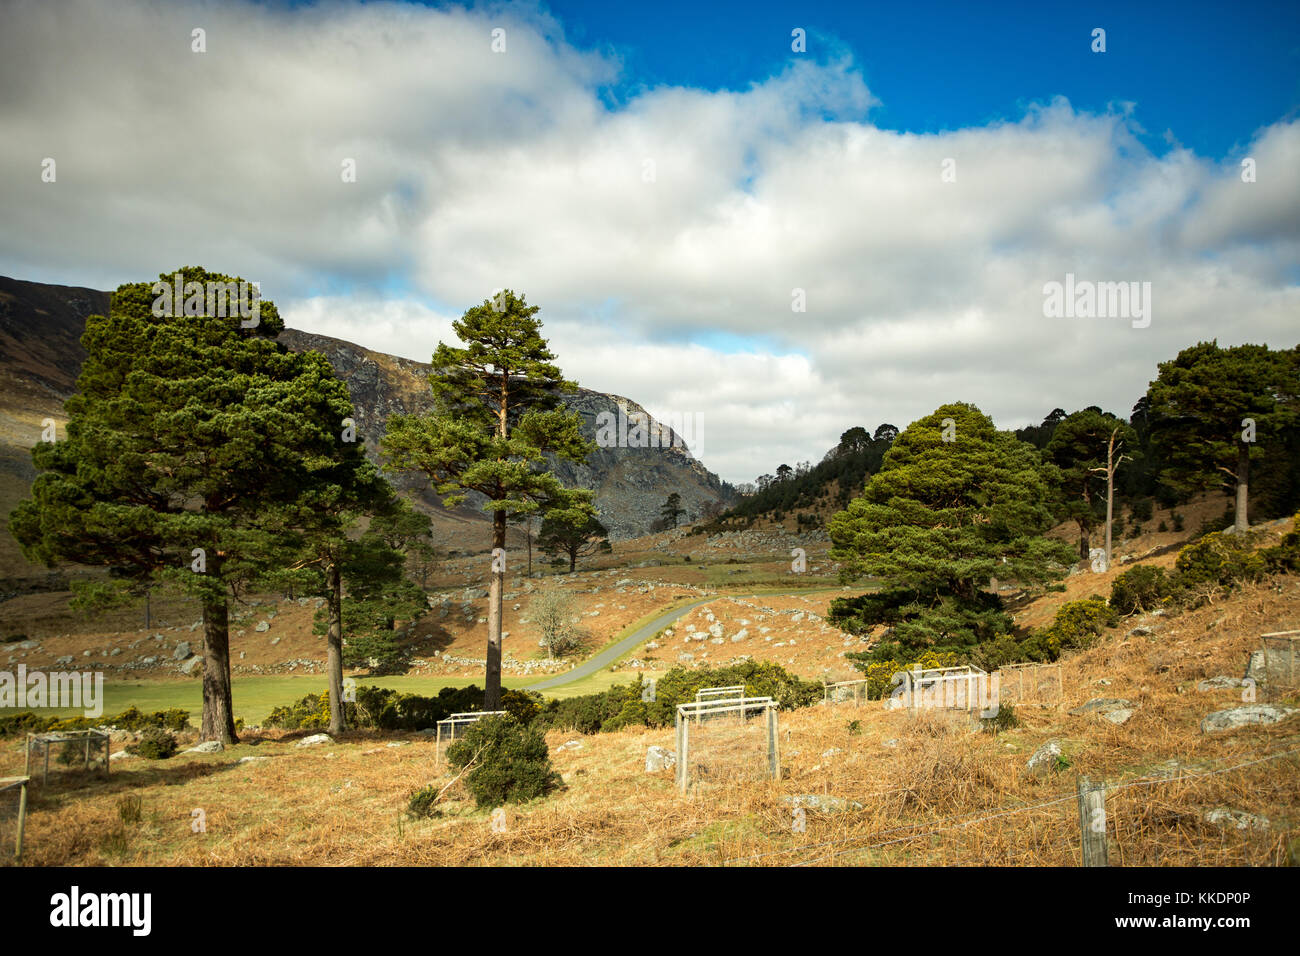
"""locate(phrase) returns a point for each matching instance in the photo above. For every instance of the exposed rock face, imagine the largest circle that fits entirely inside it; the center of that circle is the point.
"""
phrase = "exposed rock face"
(631, 483)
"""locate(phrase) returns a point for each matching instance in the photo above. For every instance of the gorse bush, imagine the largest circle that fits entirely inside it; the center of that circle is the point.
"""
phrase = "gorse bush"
(1078, 624)
(154, 744)
(1219, 559)
(382, 708)
(130, 719)
(1139, 589)
(510, 761)
(622, 705)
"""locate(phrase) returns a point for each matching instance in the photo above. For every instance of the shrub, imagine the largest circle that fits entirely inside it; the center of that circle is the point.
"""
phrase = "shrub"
(1141, 510)
(154, 744)
(1178, 520)
(1139, 589)
(422, 802)
(1080, 623)
(1004, 719)
(1219, 559)
(1286, 556)
(130, 719)
(511, 762)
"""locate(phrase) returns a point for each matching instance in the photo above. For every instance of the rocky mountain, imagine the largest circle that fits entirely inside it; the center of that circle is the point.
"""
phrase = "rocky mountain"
(41, 356)
(631, 479)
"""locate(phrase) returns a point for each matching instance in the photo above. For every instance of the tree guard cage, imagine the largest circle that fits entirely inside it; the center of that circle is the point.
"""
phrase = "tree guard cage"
(845, 690)
(13, 807)
(714, 747)
(1281, 670)
(71, 742)
(454, 727)
(948, 688)
(1031, 683)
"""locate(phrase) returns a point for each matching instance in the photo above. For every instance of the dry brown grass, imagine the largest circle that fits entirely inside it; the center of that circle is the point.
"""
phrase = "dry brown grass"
(934, 789)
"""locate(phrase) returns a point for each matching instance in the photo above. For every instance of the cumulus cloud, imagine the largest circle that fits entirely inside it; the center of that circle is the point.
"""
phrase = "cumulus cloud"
(663, 236)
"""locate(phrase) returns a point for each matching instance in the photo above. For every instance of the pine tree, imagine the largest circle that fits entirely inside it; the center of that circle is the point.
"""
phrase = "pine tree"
(571, 528)
(1078, 448)
(497, 414)
(955, 503)
(1215, 409)
(190, 437)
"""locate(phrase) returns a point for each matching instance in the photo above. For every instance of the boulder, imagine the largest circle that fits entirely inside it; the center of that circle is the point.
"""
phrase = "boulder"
(1044, 758)
(1102, 704)
(193, 664)
(1215, 683)
(182, 651)
(207, 747)
(315, 740)
(1235, 717)
(1117, 716)
(659, 758)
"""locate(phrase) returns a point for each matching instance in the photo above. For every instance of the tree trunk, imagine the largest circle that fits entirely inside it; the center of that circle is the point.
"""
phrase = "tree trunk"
(148, 618)
(1243, 485)
(529, 535)
(573, 560)
(218, 711)
(492, 679)
(334, 638)
(1083, 541)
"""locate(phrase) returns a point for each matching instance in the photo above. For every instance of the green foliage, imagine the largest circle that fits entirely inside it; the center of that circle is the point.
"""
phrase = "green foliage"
(936, 523)
(130, 719)
(621, 706)
(1141, 588)
(1219, 559)
(879, 670)
(154, 744)
(382, 708)
(422, 802)
(1199, 401)
(1078, 447)
(854, 727)
(1004, 719)
(510, 761)
(1078, 624)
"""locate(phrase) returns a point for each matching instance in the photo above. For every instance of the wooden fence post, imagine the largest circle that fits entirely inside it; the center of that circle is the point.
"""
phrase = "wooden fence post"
(773, 761)
(1092, 823)
(683, 735)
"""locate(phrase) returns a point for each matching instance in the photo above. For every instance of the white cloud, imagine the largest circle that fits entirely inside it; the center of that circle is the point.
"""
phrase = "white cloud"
(477, 170)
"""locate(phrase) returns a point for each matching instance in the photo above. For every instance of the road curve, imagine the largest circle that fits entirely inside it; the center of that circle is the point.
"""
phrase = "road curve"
(617, 650)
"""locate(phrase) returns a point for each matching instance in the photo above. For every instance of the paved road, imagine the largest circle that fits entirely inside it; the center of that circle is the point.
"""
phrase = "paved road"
(615, 651)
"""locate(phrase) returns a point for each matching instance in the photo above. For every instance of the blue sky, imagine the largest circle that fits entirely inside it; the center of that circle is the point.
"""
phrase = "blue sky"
(1211, 73)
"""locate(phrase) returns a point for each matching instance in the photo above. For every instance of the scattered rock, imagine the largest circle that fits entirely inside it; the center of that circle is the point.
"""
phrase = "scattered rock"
(1119, 715)
(191, 665)
(315, 739)
(262, 626)
(207, 747)
(659, 758)
(1044, 759)
(1102, 704)
(891, 742)
(820, 802)
(1215, 683)
(1235, 717)
(252, 759)
(1237, 819)
(571, 745)
(182, 651)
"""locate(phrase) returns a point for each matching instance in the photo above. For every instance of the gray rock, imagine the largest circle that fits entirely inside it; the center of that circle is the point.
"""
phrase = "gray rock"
(114, 652)
(820, 802)
(1215, 683)
(263, 626)
(64, 661)
(315, 740)
(191, 665)
(1102, 704)
(1235, 717)
(1043, 760)
(659, 758)
(251, 759)
(207, 747)
(1237, 819)
(182, 651)
(1119, 715)
(571, 745)
(891, 742)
